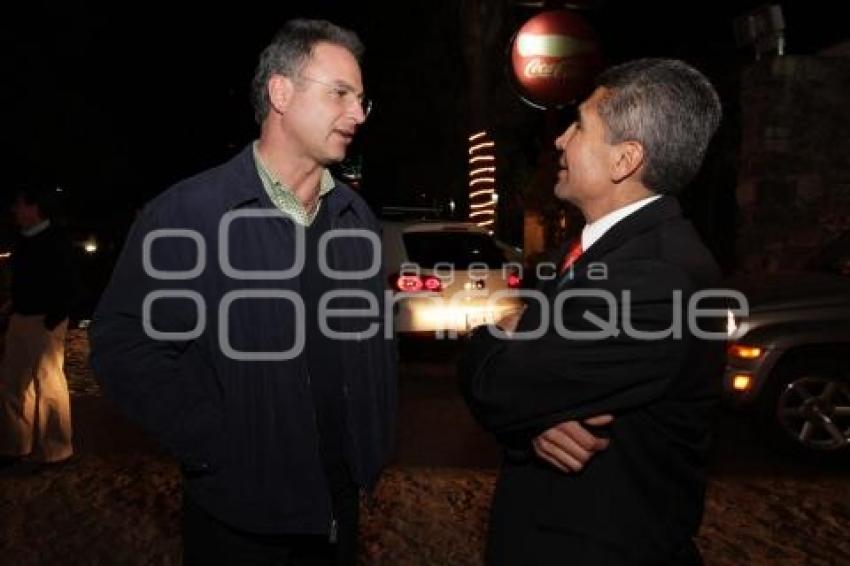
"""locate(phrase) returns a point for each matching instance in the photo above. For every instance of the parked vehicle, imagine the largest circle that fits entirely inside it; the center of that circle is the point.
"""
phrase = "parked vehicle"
(791, 361)
(448, 277)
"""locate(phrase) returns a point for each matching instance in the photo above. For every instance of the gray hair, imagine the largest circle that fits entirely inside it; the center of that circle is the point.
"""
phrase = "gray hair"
(290, 49)
(668, 107)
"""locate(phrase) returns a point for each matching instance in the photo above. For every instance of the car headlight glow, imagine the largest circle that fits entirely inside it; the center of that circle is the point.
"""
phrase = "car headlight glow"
(745, 352)
(742, 382)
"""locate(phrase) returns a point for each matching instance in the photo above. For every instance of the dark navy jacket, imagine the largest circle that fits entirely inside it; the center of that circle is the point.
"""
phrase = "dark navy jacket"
(178, 334)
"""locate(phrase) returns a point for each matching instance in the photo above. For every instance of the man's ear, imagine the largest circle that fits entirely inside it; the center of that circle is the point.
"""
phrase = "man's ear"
(628, 158)
(280, 89)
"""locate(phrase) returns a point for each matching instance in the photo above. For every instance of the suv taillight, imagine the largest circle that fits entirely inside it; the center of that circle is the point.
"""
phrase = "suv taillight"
(414, 283)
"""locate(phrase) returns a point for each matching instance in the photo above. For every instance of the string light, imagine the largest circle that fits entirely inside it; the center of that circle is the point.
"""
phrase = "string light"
(482, 180)
(483, 145)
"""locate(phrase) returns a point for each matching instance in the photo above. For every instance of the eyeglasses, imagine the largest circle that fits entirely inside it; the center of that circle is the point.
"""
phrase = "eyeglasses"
(345, 94)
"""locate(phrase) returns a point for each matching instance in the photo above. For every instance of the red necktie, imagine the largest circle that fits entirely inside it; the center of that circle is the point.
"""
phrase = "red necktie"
(572, 255)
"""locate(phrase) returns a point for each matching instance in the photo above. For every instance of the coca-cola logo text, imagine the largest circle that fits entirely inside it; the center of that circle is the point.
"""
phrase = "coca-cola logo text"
(554, 57)
(537, 68)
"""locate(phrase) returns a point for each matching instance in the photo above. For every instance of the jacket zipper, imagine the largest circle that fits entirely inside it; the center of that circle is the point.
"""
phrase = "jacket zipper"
(332, 532)
(352, 444)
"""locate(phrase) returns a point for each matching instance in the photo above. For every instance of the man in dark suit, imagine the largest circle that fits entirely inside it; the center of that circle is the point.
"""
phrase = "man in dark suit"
(610, 335)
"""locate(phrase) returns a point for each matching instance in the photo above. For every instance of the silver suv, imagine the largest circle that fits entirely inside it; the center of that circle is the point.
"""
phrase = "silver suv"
(792, 362)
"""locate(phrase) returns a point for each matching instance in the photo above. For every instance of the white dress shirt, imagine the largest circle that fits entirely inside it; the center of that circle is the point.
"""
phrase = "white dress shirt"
(592, 232)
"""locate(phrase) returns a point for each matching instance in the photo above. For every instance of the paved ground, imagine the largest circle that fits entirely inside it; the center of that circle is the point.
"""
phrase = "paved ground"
(118, 501)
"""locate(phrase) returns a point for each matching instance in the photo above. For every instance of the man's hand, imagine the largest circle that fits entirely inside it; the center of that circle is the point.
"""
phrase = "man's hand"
(569, 446)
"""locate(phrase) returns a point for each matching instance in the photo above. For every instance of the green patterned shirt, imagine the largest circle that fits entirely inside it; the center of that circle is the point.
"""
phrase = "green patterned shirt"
(283, 197)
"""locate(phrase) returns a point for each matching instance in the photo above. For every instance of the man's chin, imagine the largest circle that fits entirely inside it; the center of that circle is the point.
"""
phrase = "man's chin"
(333, 157)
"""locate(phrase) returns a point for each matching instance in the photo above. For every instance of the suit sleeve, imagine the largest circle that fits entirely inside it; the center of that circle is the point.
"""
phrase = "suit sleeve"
(518, 388)
(151, 379)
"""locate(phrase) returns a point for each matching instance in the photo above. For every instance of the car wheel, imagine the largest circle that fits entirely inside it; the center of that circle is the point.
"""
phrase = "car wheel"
(806, 408)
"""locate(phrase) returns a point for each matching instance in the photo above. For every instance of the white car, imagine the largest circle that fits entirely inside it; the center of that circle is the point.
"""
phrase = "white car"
(449, 277)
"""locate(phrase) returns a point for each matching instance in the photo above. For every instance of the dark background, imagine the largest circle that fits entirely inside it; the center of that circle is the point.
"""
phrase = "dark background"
(115, 102)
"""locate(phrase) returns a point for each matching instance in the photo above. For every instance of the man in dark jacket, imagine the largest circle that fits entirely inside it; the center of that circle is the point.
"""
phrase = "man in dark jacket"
(611, 334)
(35, 409)
(221, 331)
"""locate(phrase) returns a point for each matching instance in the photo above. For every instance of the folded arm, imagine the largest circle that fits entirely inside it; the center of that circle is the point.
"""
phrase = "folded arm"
(519, 388)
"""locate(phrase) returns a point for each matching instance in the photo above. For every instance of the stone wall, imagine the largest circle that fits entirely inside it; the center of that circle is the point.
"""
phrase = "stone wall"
(794, 174)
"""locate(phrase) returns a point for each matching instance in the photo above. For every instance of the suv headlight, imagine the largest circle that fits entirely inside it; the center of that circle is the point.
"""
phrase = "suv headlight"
(745, 352)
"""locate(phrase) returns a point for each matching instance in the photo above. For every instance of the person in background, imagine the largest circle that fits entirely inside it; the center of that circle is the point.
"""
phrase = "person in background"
(35, 409)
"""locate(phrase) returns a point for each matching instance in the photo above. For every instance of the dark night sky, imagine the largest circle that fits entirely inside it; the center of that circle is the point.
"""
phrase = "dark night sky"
(116, 103)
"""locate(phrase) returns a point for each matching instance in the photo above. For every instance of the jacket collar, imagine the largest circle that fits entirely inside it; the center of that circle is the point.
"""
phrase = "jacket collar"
(646, 218)
(245, 186)
(37, 229)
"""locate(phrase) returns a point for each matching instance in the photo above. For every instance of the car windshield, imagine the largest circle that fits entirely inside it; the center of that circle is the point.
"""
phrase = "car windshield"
(457, 248)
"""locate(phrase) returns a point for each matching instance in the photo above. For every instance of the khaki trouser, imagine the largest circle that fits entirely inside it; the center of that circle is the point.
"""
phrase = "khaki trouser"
(35, 409)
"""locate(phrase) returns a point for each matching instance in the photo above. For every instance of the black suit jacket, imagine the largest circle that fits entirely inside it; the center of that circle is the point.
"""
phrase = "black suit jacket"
(640, 501)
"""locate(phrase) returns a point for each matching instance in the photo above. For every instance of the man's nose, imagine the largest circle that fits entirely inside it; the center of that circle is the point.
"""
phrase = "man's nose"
(559, 141)
(357, 112)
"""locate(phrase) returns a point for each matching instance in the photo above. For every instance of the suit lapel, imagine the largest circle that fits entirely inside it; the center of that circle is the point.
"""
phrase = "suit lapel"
(646, 218)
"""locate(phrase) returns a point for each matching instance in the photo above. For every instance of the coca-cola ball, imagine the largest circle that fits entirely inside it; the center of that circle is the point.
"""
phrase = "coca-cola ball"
(555, 56)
